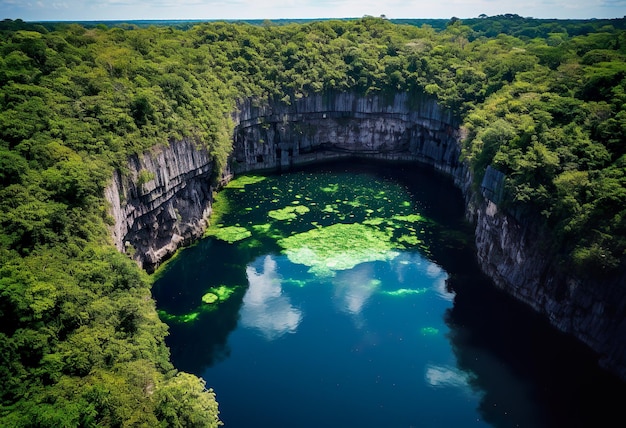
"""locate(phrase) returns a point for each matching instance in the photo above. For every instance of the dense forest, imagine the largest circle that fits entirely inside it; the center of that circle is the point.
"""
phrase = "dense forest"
(542, 101)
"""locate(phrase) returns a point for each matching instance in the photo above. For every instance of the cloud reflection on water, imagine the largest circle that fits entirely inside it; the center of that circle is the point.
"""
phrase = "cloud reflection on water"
(407, 264)
(265, 307)
(446, 376)
(353, 288)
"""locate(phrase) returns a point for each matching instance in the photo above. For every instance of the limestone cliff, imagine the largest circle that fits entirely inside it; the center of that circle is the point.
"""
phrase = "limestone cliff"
(161, 201)
(399, 127)
(515, 258)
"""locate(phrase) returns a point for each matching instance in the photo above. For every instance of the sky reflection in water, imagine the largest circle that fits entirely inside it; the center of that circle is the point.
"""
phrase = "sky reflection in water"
(265, 307)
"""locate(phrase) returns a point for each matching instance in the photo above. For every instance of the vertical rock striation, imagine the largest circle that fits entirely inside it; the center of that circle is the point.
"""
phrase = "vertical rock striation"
(397, 127)
(164, 198)
(161, 202)
(514, 256)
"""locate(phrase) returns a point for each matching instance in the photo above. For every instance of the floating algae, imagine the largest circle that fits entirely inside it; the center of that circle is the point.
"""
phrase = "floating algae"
(218, 294)
(338, 247)
(330, 208)
(210, 301)
(288, 213)
(409, 240)
(243, 180)
(374, 221)
(411, 218)
(209, 298)
(230, 234)
(268, 231)
(223, 292)
(185, 318)
(294, 282)
(331, 188)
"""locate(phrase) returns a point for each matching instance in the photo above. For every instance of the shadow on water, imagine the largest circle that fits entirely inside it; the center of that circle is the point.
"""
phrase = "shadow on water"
(527, 373)
(198, 338)
(501, 342)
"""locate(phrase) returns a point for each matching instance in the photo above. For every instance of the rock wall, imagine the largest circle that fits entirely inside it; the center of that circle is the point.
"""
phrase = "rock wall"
(161, 201)
(593, 310)
(399, 127)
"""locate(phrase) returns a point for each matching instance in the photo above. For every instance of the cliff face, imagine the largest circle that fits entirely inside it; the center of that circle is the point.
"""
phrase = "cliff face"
(402, 127)
(161, 202)
(164, 199)
(511, 254)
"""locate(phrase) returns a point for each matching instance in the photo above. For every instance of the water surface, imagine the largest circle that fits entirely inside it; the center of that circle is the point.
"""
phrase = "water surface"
(347, 295)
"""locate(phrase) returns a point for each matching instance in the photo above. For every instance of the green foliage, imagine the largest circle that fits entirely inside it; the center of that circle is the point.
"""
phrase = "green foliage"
(184, 401)
(543, 101)
(556, 131)
(144, 177)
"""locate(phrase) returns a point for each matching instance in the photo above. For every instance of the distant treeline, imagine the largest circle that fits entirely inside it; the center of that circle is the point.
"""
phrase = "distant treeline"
(483, 25)
(542, 101)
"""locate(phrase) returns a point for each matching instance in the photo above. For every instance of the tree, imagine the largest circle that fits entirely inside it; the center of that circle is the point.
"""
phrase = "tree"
(184, 401)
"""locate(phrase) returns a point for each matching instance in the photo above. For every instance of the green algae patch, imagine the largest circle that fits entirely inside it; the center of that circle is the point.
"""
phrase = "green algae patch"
(210, 302)
(288, 213)
(267, 231)
(353, 204)
(338, 247)
(331, 188)
(218, 294)
(250, 244)
(220, 208)
(210, 298)
(376, 221)
(230, 234)
(242, 181)
(185, 318)
(409, 240)
(263, 229)
(330, 208)
(223, 292)
(411, 218)
(294, 282)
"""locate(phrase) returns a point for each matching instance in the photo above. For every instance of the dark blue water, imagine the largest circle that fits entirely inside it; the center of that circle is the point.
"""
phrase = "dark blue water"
(347, 295)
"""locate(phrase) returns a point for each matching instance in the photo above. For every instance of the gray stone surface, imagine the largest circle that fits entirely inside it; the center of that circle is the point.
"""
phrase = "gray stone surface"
(517, 259)
(155, 217)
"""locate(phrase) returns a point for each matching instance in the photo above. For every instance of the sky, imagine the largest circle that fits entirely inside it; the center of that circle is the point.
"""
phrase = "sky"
(95, 10)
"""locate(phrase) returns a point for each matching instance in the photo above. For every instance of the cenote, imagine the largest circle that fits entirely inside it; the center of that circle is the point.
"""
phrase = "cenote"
(347, 295)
